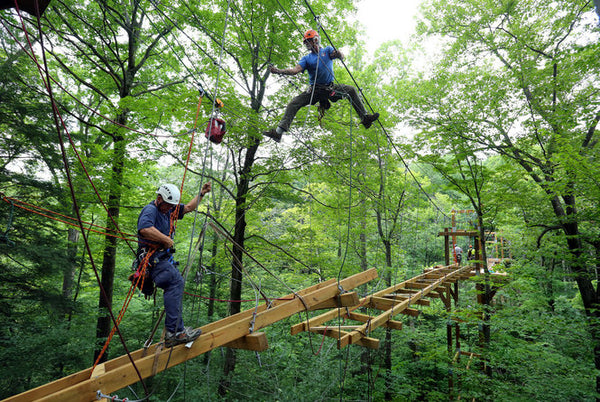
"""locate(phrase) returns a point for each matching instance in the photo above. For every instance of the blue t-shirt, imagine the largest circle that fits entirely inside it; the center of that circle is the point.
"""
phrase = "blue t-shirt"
(151, 216)
(321, 65)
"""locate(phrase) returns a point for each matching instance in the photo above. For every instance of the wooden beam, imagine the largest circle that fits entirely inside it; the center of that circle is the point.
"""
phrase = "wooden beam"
(120, 372)
(381, 303)
(342, 327)
(421, 302)
(392, 324)
(333, 332)
(327, 316)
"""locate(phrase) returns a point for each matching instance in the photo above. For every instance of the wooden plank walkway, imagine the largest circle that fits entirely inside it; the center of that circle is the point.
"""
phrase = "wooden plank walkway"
(394, 300)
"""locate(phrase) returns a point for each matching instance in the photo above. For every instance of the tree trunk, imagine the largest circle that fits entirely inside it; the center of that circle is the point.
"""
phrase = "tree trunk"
(388, 333)
(237, 261)
(104, 325)
(70, 269)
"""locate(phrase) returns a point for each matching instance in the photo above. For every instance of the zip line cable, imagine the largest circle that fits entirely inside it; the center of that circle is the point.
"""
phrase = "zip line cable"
(68, 220)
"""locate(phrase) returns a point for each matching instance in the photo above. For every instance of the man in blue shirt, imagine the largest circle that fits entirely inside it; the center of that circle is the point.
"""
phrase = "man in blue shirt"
(156, 228)
(319, 64)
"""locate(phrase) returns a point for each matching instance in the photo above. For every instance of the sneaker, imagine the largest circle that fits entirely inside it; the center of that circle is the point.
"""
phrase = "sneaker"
(369, 119)
(273, 134)
(187, 335)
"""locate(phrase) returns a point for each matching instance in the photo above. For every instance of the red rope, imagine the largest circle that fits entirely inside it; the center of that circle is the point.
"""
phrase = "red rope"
(74, 221)
(322, 341)
(232, 301)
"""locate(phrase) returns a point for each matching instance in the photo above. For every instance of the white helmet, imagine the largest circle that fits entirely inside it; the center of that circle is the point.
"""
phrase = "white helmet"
(169, 193)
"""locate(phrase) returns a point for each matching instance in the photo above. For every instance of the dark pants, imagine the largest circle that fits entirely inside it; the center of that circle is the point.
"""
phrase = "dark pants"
(167, 277)
(305, 98)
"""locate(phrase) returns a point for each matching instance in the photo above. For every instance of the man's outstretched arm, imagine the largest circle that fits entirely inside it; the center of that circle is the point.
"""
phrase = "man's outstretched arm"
(286, 71)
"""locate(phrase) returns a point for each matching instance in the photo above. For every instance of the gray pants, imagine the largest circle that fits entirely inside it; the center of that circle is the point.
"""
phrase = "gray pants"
(304, 99)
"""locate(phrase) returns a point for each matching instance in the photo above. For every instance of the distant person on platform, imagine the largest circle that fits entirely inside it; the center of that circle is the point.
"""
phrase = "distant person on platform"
(470, 253)
(319, 64)
(458, 252)
(155, 235)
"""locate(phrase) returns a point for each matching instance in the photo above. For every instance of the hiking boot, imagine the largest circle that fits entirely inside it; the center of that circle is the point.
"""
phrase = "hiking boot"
(273, 134)
(369, 119)
(187, 335)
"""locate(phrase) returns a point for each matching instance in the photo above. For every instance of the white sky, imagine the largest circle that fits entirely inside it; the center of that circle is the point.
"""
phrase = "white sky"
(386, 20)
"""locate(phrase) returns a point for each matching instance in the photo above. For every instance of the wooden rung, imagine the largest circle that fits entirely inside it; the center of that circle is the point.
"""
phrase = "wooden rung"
(382, 303)
(256, 341)
(421, 302)
(411, 311)
(361, 340)
(393, 324)
(358, 316)
(367, 342)
(417, 285)
(407, 291)
(342, 327)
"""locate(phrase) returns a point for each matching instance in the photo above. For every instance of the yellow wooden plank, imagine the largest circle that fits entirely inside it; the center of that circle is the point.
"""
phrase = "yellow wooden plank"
(422, 302)
(327, 316)
(343, 327)
(393, 324)
(55, 386)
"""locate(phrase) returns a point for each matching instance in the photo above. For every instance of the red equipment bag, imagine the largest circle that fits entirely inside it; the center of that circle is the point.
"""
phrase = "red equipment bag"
(215, 130)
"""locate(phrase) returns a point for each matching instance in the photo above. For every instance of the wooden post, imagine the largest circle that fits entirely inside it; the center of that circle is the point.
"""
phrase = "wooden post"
(477, 255)
(446, 247)
(454, 236)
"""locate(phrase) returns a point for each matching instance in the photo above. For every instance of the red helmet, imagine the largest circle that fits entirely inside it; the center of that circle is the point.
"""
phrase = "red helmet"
(310, 34)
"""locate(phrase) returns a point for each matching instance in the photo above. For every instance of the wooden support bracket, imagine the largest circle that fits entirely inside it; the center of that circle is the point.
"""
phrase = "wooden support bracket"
(256, 341)
(412, 312)
(348, 299)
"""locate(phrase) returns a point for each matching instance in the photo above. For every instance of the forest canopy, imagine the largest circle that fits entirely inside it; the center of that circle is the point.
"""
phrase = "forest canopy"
(487, 124)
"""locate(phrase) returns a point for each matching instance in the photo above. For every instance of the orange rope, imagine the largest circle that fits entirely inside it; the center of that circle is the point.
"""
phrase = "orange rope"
(141, 277)
(187, 160)
(144, 263)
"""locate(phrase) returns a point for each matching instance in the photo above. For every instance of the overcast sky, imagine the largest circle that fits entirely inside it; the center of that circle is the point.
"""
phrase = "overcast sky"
(387, 20)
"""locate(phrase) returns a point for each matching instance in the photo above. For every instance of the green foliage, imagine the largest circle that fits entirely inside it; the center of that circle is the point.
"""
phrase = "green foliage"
(513, 90)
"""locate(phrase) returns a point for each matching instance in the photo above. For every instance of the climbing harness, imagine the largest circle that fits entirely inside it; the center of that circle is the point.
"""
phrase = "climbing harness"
(324, 95)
